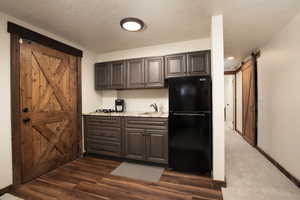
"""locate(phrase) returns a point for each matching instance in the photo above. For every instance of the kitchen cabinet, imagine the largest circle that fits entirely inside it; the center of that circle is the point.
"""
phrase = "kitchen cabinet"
(151, 72)
(146, 139)
(130, 74)
(188, 64)
(102, 76)
(154, 72)
(135, 138)
(117, 75)
(198, 63)
(103, 135)
(146, 145)
(136, 73)
(157, 146)
(175, 65)
(135, 144)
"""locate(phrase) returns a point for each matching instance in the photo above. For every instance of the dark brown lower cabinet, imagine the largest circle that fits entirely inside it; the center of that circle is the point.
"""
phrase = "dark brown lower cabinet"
(135, 144)
(157, 146)
(152, 134)
(146, 145)
(103, 135)
(135, 138)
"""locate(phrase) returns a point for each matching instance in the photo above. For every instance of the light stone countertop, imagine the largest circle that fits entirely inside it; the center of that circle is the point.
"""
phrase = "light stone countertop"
(131, 114)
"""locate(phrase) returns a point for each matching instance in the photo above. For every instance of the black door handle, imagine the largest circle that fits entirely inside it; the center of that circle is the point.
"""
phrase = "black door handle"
(26, 120)
(25, 110)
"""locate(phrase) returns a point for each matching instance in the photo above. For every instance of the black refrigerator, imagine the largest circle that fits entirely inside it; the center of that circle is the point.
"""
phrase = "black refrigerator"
(190, 124)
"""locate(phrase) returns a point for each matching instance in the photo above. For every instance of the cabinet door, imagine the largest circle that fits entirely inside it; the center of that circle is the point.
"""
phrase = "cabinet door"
(154, 72)
(198, 63)
(135, 144)
(175, 65)
(117, 75)
(157, 146)
(102, 76)
(103, 135)
(135, 73)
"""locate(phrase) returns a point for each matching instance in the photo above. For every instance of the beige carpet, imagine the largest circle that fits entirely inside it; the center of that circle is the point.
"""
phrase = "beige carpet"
(9, 197)
(138, 171)
(251, 176)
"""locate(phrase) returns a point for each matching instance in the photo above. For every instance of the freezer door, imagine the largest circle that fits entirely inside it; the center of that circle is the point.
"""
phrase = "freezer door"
(190, 94)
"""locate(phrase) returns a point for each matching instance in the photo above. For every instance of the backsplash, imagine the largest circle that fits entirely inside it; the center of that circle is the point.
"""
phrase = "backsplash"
(137, 100)
(108, 98)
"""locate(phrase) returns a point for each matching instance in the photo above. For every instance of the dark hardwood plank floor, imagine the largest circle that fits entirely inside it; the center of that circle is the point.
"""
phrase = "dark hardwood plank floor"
(89, 178)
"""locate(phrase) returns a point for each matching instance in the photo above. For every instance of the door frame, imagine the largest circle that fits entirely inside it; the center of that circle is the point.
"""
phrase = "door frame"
(16, 33)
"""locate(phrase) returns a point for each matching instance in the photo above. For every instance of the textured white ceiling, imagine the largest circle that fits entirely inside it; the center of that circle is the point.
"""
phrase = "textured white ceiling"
(95, 23)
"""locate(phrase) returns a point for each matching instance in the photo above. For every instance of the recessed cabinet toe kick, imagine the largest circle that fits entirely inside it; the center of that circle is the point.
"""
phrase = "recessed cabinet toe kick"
(133, 138)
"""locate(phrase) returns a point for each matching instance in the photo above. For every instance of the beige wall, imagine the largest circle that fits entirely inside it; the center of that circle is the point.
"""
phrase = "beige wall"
(90, 98)
(137, 100)
(140, 100)
(157, 50)
(239, 101)
(279, 97)
(217, 53)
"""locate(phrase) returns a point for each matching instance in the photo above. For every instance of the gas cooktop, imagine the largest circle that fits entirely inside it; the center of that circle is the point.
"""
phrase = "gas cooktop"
(106, 110)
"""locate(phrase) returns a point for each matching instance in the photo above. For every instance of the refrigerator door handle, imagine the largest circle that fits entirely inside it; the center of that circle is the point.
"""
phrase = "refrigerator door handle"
(190, 114)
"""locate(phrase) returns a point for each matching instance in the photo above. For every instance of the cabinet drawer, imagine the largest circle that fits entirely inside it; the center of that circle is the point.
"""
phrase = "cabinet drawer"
(103, 121)
(104, 134)
(104, 148)
(146, 123)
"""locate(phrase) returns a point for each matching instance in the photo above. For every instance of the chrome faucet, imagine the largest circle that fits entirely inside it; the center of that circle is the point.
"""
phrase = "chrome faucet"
(154, 106)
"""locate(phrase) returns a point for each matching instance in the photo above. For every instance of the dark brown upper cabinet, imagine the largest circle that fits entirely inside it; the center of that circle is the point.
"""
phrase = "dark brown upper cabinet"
(188, 64)
(175, 65)
(102, 76)
(154, 72)
(198, 63)
(150, 72)
(136, 73)
(118, 75)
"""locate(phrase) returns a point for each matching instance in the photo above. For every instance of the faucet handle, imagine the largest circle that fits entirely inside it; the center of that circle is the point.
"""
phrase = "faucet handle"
(154, 105)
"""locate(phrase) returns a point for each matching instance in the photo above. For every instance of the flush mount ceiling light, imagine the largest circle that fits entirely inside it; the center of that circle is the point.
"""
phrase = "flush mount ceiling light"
(132, 24)
(230, 58)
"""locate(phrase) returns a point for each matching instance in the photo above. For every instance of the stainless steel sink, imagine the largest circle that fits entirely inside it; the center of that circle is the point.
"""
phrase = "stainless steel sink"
(151, 113)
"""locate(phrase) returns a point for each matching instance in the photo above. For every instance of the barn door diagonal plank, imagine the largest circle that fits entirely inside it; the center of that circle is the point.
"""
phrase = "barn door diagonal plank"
(49, 135)
(52, 82)
(53, 142)
(45, 97)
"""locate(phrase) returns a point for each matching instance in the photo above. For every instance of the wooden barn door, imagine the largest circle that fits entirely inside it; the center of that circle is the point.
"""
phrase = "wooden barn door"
(48, 109)
(249, 102)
